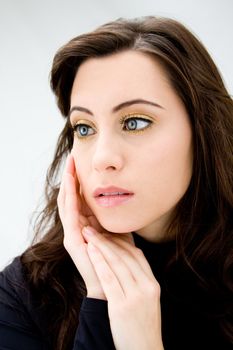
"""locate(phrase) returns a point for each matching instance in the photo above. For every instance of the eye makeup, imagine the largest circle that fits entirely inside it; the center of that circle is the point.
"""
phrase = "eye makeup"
(82, 124)
(133, 118)
(139, 117)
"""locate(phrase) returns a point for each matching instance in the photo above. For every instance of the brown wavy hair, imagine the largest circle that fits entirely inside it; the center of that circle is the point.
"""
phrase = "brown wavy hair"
(203, 218)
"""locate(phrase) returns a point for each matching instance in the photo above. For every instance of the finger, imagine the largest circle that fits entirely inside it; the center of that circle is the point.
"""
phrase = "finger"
(77, 183)
(72, 207)
(82, 205)
(74, 221)
(126, 238)
(61, 194)
(135, 251)
(82, 261)
(61, 200)
(71, 169)
(73, 202)
(75, 174)
(120, 260)
(111, 286)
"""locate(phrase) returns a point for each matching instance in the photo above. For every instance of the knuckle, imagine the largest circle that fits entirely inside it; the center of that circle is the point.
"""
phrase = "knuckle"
(153, 289)
(138, 251)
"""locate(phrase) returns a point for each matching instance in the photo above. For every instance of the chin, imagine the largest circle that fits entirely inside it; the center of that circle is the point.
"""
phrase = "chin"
(119, 226)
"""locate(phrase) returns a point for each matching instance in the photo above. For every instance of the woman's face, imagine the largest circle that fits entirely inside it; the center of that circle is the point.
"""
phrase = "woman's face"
(132, 132)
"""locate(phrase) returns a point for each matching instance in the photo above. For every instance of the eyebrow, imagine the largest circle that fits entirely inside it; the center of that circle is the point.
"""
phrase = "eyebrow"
(118, 107)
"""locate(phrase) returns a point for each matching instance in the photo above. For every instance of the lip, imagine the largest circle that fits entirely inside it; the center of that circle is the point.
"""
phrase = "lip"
(110, 189)
(114, 199)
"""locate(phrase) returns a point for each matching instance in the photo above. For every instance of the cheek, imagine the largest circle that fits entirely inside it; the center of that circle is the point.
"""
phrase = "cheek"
(169, 165)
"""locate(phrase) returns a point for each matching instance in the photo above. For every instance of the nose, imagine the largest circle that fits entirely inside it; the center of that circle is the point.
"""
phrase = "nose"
(108, 154)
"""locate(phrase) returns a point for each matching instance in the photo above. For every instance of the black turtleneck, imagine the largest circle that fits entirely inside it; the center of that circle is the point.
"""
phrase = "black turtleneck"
(190, 314)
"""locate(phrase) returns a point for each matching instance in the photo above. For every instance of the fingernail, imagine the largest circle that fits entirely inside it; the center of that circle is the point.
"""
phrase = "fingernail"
(87, 230)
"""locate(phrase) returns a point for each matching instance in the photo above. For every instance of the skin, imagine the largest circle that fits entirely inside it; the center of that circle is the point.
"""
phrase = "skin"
(113, 269)
(155, 164)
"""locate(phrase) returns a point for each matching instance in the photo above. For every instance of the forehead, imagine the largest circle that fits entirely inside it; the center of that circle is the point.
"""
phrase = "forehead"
(121, 74)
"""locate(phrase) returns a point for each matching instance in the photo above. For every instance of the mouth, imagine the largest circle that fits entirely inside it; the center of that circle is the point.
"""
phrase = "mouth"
(110, 196)
(113, 194)
(111, 191)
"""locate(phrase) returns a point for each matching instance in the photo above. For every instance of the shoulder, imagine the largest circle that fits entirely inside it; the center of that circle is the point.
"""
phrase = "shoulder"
(17, 303)
(13, 284)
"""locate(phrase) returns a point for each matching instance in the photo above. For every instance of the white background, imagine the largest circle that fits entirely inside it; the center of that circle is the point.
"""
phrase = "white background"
(30, 33)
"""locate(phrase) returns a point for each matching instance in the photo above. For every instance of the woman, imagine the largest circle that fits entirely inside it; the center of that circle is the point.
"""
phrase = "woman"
(136, 245)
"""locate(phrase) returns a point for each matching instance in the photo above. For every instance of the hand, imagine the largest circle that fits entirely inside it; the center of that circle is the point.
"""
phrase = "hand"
(132, 292)
(75, 215)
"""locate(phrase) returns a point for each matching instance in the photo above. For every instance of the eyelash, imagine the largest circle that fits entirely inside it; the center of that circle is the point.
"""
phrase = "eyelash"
(122, 121)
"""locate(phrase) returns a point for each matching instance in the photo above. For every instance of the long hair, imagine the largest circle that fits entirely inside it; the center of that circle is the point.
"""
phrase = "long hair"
(202, 222)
